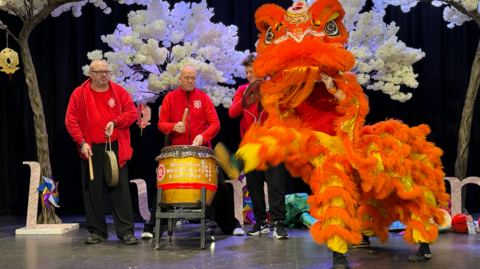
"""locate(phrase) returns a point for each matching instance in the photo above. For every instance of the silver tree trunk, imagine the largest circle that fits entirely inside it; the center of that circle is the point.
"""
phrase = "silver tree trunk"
(41, 136)
(466, 124)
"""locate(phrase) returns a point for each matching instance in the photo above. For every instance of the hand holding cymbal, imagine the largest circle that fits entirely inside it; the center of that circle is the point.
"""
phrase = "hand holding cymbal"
(251, 94)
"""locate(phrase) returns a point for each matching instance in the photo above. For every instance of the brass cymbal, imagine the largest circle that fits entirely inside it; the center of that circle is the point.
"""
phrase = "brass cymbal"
(251, 94)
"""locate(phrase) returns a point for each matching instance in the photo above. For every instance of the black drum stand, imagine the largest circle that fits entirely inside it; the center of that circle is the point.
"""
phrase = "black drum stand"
(199, 210)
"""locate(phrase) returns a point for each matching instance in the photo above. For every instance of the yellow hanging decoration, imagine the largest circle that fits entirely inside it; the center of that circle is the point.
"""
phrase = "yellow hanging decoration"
(9, 61)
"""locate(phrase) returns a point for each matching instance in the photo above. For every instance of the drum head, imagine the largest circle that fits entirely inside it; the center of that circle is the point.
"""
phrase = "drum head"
(110, 168)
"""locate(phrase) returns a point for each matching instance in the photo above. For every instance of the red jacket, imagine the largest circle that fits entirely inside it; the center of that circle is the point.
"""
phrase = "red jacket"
(201, 118)
(78, 125)
(249, 116)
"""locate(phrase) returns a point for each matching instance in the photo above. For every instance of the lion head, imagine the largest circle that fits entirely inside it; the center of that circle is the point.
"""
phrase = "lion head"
(302, 36)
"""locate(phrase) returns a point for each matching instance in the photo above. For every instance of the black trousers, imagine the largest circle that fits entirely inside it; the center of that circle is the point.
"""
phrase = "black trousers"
(222, 203)
(119, 196)
(275, 178)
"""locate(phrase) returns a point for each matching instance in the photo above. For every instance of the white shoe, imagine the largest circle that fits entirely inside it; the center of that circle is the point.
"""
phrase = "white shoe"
(238, 231)
(146, 235)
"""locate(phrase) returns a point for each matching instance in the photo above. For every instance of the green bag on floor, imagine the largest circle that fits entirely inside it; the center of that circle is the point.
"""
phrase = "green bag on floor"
(295, 204)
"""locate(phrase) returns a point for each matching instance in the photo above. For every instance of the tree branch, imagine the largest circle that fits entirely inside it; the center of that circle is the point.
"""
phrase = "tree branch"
(27, 9)
(16, 11)
(31, 7)
(6, 29)
(156, 93)
(42, 14)
(472, 14)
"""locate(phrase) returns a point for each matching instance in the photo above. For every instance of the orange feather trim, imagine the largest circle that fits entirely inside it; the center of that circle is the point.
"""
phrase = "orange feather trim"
(439, 217)
(381, 233)
(268, 15)
(429, 236)
(320, 235)
(378, 224)
(350, 221)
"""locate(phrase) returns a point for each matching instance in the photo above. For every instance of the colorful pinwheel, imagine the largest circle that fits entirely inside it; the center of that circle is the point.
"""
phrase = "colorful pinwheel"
(49, 189)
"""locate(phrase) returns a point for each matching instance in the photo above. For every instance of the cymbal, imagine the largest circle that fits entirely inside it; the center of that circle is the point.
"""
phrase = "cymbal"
(251, 94)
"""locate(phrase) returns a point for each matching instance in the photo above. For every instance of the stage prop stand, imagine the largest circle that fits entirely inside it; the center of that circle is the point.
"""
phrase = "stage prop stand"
(142, 198)
(456, 193)
(33, 196)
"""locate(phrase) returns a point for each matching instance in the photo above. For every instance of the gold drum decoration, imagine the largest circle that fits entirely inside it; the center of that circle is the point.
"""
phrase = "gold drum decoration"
(182, 172)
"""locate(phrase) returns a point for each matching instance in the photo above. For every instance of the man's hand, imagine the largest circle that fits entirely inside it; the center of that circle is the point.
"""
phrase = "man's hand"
(109, 129)
(86, 150)
(198, 141)
(179, 127)
(328, 80)
(329, 84)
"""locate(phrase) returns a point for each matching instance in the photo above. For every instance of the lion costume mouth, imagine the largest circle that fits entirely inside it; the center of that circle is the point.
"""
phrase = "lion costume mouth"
(302, 36)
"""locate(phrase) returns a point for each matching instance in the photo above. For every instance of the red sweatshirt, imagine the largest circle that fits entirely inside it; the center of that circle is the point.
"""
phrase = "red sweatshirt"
(249, 116)
(101, 113)
(201, 118)
(78, 113)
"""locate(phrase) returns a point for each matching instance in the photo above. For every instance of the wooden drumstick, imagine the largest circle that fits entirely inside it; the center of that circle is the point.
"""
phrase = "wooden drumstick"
(90, 166)
(185, 115)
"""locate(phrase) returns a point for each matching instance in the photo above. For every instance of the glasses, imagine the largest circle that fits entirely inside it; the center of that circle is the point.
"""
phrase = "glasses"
(189, 78)
(101, 72)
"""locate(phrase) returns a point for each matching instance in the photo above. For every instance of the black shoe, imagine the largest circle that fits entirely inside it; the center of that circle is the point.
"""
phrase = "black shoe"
(279, 230)
(129, 239)
(364, 244)
(261, 226)
(94, 238)
(423, 253)
(339, 261)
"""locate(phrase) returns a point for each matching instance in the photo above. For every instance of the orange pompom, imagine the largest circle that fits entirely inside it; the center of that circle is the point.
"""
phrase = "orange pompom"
(459, 223)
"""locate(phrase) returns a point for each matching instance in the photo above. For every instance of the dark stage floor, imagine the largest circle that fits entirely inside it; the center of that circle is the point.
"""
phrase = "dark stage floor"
(452, 250)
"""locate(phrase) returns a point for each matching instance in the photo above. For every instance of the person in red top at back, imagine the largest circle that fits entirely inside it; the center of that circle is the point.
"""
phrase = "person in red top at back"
(274, 176)
(200, 127)
(100, 108)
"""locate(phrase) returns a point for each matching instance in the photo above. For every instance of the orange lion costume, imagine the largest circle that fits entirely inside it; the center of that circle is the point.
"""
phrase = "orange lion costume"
(362, 177)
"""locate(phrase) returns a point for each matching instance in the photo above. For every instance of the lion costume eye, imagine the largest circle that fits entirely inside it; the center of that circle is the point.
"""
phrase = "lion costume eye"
(331, 28)
(269, 36)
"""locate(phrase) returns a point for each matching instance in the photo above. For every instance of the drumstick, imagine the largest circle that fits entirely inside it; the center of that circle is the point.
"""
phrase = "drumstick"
(90, 166)
(185, 115)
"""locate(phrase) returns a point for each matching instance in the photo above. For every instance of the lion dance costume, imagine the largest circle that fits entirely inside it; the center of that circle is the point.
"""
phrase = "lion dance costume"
(362, 178)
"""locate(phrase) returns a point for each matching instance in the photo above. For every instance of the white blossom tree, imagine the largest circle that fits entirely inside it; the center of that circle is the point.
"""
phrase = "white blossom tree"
(383, 62)
(31, 13)
(149, 53)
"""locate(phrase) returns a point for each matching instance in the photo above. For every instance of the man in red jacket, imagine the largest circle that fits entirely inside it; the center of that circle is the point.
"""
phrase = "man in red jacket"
(200, 127)
(274, 176)
(100, 108)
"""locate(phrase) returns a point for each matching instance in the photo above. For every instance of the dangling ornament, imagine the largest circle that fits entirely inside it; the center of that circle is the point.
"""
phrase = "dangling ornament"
(144, 114)
(9, 61)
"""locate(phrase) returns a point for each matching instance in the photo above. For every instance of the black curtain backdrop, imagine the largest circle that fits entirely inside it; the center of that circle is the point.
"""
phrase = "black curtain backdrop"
(59, 47)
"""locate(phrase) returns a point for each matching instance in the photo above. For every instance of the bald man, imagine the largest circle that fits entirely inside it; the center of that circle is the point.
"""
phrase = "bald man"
(201, 126)
(99, 109)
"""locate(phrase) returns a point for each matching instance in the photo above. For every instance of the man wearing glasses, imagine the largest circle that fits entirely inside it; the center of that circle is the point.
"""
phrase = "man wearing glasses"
(99, 109)
(201, 126)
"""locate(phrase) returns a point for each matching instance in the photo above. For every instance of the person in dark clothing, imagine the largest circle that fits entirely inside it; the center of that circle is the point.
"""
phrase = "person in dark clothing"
(273, 176)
